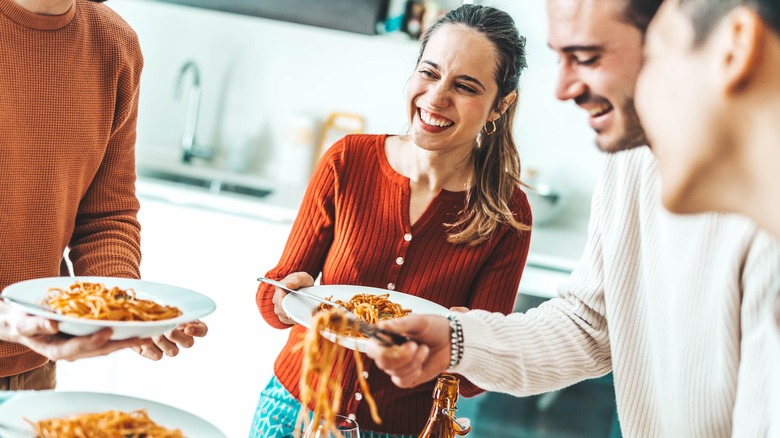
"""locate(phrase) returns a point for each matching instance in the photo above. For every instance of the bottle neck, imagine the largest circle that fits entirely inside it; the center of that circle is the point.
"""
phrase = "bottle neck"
(445, 395)
(439, 407)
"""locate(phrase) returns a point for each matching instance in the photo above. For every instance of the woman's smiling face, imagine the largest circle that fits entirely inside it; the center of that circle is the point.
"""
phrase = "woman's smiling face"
(452, 91)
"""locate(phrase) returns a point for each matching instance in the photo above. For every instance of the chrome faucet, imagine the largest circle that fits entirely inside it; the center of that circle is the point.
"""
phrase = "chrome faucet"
(189, 147)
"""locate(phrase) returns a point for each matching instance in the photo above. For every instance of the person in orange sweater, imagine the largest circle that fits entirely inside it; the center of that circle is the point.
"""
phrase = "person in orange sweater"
(68, 104)
(438, 213)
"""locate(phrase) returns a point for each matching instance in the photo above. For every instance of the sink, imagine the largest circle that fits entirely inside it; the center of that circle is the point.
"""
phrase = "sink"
(244, 190)
(213, 185)
(175, 178)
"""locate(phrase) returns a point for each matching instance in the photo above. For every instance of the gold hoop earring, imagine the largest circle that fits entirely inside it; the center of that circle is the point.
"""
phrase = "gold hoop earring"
(485, 128)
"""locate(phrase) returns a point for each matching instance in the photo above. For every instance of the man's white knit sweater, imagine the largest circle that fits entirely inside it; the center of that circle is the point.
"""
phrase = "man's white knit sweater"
(661, 300)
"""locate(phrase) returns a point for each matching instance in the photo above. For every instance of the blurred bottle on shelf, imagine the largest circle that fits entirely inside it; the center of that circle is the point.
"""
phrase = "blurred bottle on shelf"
(337, 126)
(413, 18)
(240, 154)
(396, 11)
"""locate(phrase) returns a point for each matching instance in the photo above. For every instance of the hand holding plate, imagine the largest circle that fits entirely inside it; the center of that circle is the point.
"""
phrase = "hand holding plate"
(42, 336)
(289, 284)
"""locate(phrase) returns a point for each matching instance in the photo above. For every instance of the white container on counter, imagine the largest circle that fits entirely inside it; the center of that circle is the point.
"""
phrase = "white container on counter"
(295, 149)
(240, 154)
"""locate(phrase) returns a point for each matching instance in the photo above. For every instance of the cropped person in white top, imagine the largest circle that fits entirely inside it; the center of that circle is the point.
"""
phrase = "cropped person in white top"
(663, 301)
(720, 147)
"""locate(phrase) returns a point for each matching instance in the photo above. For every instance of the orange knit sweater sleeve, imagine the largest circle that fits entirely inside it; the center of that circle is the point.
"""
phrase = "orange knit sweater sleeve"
(69, 86)
(106, 237)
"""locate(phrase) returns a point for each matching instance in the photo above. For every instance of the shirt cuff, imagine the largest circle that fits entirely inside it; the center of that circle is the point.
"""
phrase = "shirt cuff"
(477, 337)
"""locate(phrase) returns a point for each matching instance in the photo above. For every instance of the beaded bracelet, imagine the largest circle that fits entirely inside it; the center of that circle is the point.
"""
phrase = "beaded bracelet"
(456, 340)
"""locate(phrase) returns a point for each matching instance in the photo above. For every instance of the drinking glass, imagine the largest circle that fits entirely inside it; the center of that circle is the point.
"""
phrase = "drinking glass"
(347, 427)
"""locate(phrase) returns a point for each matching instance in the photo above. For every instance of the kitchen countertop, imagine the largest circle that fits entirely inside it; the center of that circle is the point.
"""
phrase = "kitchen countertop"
(281, 205)
(557, 245)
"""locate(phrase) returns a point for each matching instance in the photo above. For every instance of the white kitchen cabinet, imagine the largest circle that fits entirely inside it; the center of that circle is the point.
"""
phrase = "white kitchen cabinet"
(219, 255)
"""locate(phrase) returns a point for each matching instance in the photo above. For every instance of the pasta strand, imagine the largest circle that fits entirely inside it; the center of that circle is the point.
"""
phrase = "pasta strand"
(321, 376)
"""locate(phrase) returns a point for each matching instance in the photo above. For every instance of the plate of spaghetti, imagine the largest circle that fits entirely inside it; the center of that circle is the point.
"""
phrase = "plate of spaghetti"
(367, 303)
(95, 414)
(131, 308)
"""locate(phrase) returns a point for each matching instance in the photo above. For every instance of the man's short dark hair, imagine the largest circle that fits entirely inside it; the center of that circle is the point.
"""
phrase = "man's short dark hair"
(639, 13)
(706, 14)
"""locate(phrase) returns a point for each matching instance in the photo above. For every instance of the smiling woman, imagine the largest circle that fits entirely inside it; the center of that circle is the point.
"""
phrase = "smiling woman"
(437, 213)
(462, 101)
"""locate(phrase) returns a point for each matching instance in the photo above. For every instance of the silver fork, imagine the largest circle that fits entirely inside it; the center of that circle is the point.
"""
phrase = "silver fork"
(26, 304)
(309, 295)
(385, 337)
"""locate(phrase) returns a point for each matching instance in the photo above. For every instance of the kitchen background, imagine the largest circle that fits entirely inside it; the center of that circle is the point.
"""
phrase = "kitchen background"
(267, 88)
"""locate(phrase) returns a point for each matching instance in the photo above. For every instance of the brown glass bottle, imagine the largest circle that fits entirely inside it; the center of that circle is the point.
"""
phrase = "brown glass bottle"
(441, 423)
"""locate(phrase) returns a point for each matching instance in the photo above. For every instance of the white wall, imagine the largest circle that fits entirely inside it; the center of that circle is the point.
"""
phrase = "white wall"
(255, 72)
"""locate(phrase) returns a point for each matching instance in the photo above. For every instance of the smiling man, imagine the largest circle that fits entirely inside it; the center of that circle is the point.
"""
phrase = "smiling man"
(598, 70)
(660, 300)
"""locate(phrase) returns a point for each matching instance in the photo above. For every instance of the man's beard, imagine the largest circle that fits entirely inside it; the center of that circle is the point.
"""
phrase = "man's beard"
(634, 135)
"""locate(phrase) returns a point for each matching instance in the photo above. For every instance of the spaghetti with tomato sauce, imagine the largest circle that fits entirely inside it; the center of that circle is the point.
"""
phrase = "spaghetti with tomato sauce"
(96, 301)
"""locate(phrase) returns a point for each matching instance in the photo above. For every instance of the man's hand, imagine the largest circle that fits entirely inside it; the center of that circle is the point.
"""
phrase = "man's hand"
(42, 336)
(417, 361)
(168, 344)
(296, 280)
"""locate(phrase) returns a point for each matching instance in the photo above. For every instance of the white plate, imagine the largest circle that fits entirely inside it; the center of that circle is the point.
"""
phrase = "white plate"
(300, 309)
(40, 405)
(30, 293)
